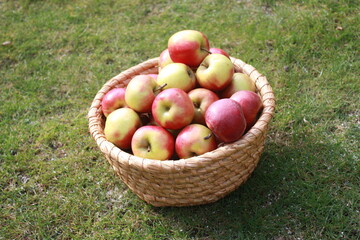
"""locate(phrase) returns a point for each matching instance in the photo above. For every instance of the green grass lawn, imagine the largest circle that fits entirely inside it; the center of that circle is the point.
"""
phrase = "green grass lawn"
(55, 56)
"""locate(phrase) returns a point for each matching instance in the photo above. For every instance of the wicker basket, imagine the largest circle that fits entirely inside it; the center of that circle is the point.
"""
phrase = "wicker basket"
(193, 181)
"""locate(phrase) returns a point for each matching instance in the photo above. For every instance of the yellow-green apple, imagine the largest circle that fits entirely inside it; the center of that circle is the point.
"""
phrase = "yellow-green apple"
(112, 100)
(164, 59)
(194, 140)
(177, 75)
(173, 109)
(152, 142)
(226, 120)
(141, 92)
(215, 72)
(202, 98)
(219, 50)
(120, 126)
(239, 81)
(189, 47)
(251, 105)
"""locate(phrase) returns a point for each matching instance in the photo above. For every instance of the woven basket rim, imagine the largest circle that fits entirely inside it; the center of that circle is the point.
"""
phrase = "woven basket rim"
(144, 164)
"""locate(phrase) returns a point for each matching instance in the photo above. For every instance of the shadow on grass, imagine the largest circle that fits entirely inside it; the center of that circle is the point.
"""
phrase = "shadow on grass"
(294, 189)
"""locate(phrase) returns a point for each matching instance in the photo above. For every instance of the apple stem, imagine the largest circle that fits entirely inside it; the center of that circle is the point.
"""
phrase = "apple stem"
(148, 148)
(208, 136)
(206, 50)
(160, 87)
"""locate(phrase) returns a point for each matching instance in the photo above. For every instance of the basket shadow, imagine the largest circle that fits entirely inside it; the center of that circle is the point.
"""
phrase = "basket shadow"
(264, 201)
(235, 214)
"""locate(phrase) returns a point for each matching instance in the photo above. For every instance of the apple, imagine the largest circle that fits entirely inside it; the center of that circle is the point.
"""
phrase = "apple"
(173, 109)
(219, 50)
(194, 140)
(173, 132)
(152, 142)
(164, 59)
(189, 47)
(226, 120)
(251, 105)
(140, 93)
(112, 100)
(202, 98)
(215, 72)
(153, 75)
(239, 81)
(177, 75)
(120, 126)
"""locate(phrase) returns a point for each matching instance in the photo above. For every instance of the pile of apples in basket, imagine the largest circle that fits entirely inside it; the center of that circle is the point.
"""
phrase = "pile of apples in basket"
(194, 104)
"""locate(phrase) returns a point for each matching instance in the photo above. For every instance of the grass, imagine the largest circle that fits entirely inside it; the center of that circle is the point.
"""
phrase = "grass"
(56, 184)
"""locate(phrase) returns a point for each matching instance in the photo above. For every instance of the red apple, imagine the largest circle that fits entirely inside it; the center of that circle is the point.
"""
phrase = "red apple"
(173, 109)
(112, 100)
(177, 75)
(194, 140)
(219, 50)
(251, 105)
(140, 93)
(226, 120)
(215, 72)
(120, 126)
(164, 59)
(239, 81)
(202, 98)
(152, 142)
(189, 47)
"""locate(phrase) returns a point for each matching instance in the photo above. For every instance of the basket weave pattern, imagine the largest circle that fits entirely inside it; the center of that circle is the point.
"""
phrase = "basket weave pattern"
(193, 181)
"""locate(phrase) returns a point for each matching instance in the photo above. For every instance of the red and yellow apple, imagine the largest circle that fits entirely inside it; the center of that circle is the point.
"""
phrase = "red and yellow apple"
(194, 140)
(112, 100)
(173, 109)
(173, 132)
(152, 142)
(202, 98)
(164, 59)
(239, 81)
(141, 92)
(219, 50)
(153, 75)
(189, 47)
(215, 72)
(120, 125)
(177, 75)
